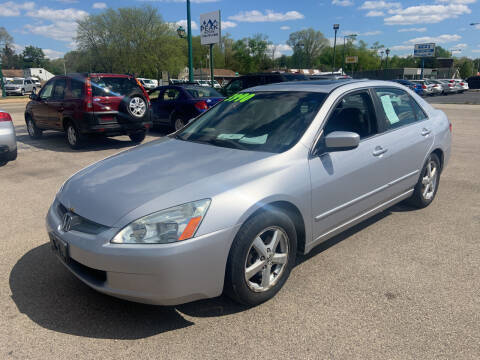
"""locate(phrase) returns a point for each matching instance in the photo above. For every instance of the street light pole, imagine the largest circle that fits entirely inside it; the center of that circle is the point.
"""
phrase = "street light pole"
(2, 85)
(189, 39)
(335, 27)
(386, 61)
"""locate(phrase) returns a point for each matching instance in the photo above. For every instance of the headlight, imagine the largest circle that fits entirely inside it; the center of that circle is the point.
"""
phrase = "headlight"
(166, 226)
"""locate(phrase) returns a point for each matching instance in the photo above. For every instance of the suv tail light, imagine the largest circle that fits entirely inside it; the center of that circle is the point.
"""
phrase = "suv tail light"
(201, 105)
(5, 116)
(144, 91)
(88, 104)
(462, 84)
(424, 87)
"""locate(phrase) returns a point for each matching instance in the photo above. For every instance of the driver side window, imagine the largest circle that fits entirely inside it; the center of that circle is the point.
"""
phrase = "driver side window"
(353, 113)
(47, 90)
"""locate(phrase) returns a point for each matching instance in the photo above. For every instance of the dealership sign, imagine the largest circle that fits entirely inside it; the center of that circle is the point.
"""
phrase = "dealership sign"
(351, 59)
(210, 29)
(424, 50)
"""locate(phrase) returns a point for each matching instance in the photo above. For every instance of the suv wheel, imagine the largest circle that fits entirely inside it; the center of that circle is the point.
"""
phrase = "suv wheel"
(137, 106)
(138, 137)
(73, 136)
(261, 258)
(22, 92)
(178, 123)
(33, 131)
(34, 90)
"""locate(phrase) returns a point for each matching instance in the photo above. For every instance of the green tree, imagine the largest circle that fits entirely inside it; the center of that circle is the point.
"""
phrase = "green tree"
(33, 57)
(307, 45)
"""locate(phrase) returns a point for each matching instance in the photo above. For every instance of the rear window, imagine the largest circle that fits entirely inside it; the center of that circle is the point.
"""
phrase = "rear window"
(113, 86)
(200, 93)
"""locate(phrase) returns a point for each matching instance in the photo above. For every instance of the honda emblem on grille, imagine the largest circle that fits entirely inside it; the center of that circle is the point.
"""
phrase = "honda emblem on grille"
(67, 222)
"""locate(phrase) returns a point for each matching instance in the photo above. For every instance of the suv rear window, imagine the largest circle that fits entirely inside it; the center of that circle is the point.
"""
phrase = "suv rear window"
(113, 86)
(202, 92)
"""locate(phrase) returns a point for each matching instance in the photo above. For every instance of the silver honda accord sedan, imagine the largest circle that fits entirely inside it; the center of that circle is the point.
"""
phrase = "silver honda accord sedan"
(227, 202)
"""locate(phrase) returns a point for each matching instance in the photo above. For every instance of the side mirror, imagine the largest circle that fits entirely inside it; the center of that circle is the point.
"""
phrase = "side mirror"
(341, 140)
(33, 96)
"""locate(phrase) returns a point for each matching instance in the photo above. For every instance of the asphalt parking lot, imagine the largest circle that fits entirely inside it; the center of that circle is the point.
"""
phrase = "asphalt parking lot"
(403, 285)
(468, 97)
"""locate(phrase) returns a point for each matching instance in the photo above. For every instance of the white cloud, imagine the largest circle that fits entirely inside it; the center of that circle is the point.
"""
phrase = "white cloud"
(373, 13)
(359, 33)
(53, 54)
(59, 30)
(184, 24)
(442, 39)
(11, 8)
(422, 29)
(461, 46)
(342, 2)
(63, 15)
(268, 16)
(279, 49)
(17, 48)
(377, 5)
(401, 47)
(457, 1)
(228, 24)
(476, 51)
(68, 1)
(425, 14)
(285, 27)
(99, 5)
(371, 33)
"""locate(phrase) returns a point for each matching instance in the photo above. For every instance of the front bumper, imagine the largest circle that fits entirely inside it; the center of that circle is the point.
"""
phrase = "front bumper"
(168, 274)
(13, 91)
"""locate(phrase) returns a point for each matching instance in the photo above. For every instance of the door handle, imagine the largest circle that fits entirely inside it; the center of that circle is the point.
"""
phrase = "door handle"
(425, 131)
(379, 151)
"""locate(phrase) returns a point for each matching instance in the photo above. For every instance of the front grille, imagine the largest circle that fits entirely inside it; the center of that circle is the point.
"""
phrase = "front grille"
(79, 223)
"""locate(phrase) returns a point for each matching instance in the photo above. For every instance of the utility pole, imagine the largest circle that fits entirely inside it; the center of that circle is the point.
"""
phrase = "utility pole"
(335, 27)
(189, 39)
(2, 84)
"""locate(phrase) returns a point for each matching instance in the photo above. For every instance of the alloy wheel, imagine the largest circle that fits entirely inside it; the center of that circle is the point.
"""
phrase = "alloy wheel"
(266, 259)
(30, 128)
(71, 135)
(137, 106)
(429, 180)
(179, 124)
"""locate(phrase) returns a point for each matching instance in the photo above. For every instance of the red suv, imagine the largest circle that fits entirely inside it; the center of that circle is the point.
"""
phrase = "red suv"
(82, 104)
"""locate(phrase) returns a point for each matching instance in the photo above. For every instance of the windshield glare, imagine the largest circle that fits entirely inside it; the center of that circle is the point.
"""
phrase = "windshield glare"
(261, 121)
(113, 86)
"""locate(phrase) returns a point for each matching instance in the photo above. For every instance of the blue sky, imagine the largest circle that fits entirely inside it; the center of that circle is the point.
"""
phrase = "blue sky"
(50, 24)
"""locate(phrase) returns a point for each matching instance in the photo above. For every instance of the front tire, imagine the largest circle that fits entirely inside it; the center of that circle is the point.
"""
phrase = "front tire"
(261, 258)
(427, 185)
(178, 123)
(138, 136)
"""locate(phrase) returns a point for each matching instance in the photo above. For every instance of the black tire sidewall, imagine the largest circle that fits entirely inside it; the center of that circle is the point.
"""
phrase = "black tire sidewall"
(36, 131)
(235, 283)
(417, 198)
(138, 137)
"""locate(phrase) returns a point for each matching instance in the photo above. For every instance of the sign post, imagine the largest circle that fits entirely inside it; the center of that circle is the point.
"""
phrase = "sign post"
(351, 60)
(210, 34)
(423, 51)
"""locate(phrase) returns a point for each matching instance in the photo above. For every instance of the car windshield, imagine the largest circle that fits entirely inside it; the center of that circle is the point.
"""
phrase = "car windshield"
(146, 81)
(261, 121)
(113, 86)
(18, 82)
(202, 92)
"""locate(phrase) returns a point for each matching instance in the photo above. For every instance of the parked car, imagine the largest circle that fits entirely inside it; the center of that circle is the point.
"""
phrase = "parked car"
(437, 87)
(473, 82)
(147, 83)
(20, 86)
(462, 85)
(449, 87)
(36, 82)
(329, 77)
(227, 202)
(426, 87)
(176, 105)
(411, 85)
(251, 80)
(8, 140)
(89, 103)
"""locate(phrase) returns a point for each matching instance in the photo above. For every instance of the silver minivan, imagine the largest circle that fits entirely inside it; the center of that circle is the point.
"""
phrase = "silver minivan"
(226, 203)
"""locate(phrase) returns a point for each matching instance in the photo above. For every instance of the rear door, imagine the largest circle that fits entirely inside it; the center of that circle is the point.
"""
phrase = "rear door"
(155, 99)
(407, 135)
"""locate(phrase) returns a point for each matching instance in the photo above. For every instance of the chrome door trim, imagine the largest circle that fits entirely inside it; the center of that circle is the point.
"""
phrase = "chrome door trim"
(358, 219)
(364, 196)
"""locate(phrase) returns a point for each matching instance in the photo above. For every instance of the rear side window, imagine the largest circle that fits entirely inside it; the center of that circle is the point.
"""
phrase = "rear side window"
(171, 94)
(59, 88)
(202, 92)
(113, 86)
(77, 88)
(399, 108)
(234, 87)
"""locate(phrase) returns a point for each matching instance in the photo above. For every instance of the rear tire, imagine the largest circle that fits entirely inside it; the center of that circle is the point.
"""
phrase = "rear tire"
(259, 262)
(33, 131)
(74, 138)
(138, 136)
(178, 123)
(427, 185)
(12, 155)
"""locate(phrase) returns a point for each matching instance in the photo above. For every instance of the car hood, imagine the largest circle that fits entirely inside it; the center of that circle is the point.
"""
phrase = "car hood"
(112, 188)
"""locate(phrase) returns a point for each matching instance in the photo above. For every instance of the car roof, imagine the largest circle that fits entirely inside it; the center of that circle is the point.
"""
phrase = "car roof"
(324, 86)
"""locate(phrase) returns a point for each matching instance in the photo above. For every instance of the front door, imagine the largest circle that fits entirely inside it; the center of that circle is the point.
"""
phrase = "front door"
(166, 104)
(56, 104)
(40, 108)
(345, 184)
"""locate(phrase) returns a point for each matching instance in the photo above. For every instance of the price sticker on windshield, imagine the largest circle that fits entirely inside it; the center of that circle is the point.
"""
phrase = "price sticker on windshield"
(240, 97)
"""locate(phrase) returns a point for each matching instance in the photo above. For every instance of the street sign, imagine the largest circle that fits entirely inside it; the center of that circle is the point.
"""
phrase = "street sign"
(351, 59)
(210, 28)
(424, 50)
